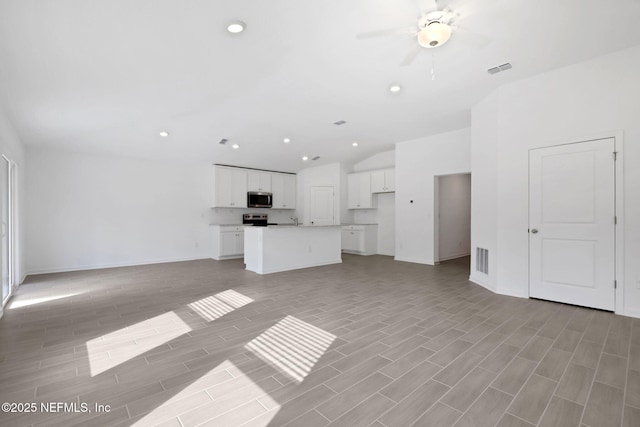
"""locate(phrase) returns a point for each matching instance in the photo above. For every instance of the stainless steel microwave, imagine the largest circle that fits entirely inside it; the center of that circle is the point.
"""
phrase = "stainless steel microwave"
(259, 199)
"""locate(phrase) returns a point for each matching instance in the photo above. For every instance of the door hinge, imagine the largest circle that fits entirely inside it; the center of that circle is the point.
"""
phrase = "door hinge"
(615, 220)
(615, 284)
(615, 155)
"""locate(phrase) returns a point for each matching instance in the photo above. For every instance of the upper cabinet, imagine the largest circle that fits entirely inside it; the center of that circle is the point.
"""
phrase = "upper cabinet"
(231, 184)
(283, 187)
(229, 187)
(383, 181)
(259, 181)
(359, 190)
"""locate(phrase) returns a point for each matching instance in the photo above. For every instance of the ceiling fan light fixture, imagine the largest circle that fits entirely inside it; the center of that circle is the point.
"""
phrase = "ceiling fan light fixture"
(434, 34)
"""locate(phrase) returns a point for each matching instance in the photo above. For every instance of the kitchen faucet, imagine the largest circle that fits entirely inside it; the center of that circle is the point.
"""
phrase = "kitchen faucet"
(295, 220)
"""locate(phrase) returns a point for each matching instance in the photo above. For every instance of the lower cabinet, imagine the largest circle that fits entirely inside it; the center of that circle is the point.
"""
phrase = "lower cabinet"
(228, 241)
(360, 239)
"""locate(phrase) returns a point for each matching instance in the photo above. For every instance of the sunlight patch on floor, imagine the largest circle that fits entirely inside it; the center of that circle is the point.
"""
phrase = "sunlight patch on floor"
(19, 301)
(208, 402)
(291, 346)
(127, 343)
(216, 306)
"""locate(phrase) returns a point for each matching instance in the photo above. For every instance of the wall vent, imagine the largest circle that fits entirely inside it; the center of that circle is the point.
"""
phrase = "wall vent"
(339, 122)
(482, 260)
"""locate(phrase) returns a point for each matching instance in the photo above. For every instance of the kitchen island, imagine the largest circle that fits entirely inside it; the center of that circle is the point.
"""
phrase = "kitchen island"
(280, 248)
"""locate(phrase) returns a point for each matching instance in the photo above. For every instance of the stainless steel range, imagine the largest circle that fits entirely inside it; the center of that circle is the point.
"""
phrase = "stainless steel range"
(257, 220)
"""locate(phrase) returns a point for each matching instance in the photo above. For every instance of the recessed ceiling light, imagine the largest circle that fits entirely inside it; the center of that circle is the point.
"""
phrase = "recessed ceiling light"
(355, 144)
(236, 27)
(394, 88)
(235, 146)
(164, 134)
(287, 140)
(305, 158)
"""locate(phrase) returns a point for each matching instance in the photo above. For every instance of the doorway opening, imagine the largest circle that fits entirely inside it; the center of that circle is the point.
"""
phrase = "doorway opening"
(452, 217)
(7, 213)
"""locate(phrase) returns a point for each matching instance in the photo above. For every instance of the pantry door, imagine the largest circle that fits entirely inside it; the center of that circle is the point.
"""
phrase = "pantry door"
(572, 223)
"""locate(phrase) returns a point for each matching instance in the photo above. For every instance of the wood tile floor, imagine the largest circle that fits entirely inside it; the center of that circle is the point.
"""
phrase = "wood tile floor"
(370, 342)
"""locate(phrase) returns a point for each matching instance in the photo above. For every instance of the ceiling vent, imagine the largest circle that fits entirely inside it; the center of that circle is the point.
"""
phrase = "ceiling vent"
(339, 122)
(499, 68)
(223, 141)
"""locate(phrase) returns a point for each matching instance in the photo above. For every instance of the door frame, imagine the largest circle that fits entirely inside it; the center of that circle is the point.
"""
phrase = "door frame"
(619, 211)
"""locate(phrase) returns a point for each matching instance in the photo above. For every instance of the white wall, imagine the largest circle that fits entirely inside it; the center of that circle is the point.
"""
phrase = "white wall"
(595, 98)
(382, 160)
(417, 162)
(11, 147)
(87, 211)
(454, 216)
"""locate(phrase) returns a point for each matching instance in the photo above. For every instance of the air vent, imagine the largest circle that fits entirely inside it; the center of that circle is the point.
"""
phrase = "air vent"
(482, 260)
(339, 122)
(315, 158)
(223, 141)
(499, 68)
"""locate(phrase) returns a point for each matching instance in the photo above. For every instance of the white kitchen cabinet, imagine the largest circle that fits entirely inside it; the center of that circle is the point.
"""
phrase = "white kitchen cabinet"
(359, 190)
(383, 181)
(228, 241)
(259, 181)
(229, 187)
(283, 187)
(360, 239)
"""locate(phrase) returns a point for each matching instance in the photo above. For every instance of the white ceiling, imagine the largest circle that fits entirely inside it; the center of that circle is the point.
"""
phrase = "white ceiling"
(107, 76)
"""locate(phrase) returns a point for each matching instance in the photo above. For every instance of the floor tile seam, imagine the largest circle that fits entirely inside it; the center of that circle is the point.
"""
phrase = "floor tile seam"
(352, 386)
(475, 400)
(478, 397)
(555, 389)
(584, 410)
(626, 377)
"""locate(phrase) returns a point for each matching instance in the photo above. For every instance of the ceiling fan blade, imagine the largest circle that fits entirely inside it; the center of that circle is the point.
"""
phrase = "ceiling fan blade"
(408, 31)
(411, 56)
(427, 5)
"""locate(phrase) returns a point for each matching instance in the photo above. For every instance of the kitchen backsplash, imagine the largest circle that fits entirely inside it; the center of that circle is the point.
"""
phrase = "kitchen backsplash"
(234, 216)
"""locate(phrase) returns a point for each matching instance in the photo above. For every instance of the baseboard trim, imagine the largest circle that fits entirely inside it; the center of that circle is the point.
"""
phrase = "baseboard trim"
(506, 292)
(632, 312)
(413, 260)
(299, 267)
(117, 265)
(480, 282)
(455, 256)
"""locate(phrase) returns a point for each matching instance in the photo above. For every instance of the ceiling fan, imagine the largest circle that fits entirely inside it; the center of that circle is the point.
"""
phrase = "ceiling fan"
(433, 29)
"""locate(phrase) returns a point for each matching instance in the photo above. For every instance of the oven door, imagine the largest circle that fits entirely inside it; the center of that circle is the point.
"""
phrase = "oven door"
(259, 200)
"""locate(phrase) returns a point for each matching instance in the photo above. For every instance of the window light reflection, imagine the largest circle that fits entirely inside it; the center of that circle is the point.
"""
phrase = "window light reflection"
(291, 346)
(216, 306)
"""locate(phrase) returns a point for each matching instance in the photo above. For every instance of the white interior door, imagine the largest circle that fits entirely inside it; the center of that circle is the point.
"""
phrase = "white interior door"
(321, 205)
(572, 223)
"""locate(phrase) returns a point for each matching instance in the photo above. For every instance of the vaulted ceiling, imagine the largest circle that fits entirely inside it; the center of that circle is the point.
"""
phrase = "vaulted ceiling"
(106, 76)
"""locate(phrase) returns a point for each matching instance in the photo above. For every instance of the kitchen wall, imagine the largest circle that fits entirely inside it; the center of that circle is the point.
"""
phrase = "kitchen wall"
(11, 147)
(596, 98)
(86, 211)
(334, 174)
(417, 163)
(385, 212)
(454, 216)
